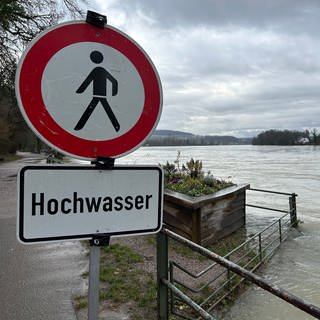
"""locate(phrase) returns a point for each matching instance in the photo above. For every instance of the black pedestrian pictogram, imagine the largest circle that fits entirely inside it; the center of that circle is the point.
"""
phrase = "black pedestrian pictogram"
(98, 76)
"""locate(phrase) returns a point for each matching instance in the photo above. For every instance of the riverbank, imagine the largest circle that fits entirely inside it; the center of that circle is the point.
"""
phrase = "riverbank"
(128, 275)
(278, 168)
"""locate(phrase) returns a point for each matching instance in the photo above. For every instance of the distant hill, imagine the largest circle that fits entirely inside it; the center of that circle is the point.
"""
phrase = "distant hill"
(172, 133)
(178, 138)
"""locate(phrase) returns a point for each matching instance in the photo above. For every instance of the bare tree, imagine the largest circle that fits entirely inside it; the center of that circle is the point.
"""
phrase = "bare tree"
(21, 21)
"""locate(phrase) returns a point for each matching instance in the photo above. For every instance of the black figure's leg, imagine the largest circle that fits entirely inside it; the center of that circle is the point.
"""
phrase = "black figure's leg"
(110, 113)
(84, 118)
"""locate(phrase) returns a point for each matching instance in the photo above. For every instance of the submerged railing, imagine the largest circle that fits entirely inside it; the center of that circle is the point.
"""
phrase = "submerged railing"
(182, 293)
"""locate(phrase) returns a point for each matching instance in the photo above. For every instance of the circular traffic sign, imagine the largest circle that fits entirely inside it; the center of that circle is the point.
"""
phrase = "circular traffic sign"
(88, 92)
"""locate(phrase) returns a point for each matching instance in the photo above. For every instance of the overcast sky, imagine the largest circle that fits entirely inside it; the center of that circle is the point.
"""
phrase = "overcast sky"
(229, 67)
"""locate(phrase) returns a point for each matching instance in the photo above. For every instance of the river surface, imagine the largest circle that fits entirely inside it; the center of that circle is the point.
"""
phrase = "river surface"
(296, 264)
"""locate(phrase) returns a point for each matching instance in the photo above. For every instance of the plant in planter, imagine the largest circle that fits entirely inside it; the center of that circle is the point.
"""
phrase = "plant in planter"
(191, 180)
(200, 207)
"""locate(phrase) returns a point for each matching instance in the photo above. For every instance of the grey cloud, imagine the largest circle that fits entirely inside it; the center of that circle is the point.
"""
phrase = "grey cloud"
(254, 13)
(231, 65)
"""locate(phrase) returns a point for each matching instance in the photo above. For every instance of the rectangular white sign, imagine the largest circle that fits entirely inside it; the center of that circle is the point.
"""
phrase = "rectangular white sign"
(76, 202)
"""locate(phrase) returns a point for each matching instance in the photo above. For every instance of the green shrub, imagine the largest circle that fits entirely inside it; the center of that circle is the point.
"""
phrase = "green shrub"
(190, 179)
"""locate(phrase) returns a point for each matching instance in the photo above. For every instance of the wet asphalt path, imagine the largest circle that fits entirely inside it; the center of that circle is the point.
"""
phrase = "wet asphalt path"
(38, 281)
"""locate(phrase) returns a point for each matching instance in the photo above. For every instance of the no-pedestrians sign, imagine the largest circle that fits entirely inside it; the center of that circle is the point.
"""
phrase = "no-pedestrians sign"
(76, 202)
(88, 91)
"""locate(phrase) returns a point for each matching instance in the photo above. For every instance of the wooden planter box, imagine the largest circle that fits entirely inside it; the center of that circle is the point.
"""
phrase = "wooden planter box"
(205, 219)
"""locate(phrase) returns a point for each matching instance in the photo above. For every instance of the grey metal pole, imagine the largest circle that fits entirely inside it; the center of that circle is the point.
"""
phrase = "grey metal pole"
(162, 274)
(97, 241)
(94, 280)
(204, 314)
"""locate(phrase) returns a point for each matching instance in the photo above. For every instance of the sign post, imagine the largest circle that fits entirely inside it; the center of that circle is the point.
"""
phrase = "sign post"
(91, 92)
(94, 279)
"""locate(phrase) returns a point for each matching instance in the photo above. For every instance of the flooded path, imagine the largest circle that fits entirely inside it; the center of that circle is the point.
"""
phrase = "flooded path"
(293, 267)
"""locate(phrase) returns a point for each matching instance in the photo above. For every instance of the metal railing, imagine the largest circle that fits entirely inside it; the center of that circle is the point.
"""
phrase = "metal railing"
(181, 294)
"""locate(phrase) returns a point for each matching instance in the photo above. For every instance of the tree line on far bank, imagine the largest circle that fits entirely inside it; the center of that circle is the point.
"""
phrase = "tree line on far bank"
(174, 139)
(287, 137)
(268, 137)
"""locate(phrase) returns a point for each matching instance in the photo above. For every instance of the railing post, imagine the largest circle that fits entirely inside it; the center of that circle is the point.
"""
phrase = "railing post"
(293, 209)
(228, 274)
(280, 231)
(172, 297)
(162, 274)
(260, 247)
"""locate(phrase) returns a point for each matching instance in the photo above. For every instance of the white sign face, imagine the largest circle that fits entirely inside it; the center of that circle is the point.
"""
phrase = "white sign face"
(73, 202)
(71, 67)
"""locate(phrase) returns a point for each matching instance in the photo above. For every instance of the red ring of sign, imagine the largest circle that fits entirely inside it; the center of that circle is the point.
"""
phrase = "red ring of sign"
(34, 109)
